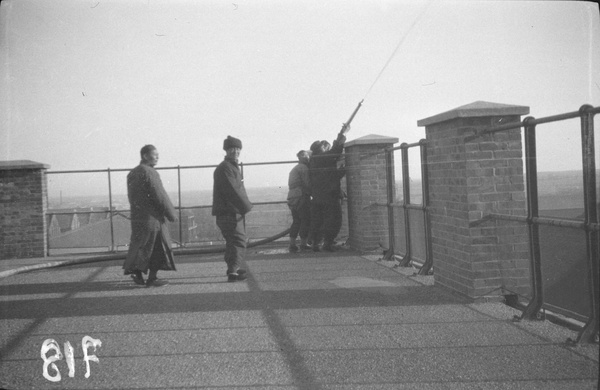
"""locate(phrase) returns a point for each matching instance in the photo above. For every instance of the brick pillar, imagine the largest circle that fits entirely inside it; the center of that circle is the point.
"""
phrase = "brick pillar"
(367, 191)
(23, 203)
(470, 176)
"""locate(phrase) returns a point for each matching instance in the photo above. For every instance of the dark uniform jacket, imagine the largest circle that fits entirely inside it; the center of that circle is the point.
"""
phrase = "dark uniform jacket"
(229, 194)
(324, 174)
(299, 185)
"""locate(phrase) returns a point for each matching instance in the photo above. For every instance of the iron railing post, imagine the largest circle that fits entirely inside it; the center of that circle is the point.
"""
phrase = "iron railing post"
(110, 213)
(391, 183)
(244, 215)
(532, 311)
(46, 219)
(181, 243)
(47, 233)
(589, 334)
(405, 202)
(426, 268)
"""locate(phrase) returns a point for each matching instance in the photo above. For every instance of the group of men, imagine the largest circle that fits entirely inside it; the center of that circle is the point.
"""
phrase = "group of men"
(315, 196)
(314, 199)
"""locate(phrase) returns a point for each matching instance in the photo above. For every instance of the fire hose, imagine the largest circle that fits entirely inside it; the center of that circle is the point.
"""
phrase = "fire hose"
(121, 256)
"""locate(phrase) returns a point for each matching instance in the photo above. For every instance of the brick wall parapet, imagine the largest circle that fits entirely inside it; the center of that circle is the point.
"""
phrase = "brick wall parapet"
(366, 182)
(23, 203)
(472, 174)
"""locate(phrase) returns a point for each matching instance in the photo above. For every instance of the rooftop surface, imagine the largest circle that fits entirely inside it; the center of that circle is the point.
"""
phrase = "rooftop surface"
(340, 320)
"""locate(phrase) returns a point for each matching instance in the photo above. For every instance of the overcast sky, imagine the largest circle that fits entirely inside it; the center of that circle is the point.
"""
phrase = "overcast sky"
(86, 83)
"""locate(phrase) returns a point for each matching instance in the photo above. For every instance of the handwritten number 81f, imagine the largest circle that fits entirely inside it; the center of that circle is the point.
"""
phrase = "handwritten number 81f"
(50, 344)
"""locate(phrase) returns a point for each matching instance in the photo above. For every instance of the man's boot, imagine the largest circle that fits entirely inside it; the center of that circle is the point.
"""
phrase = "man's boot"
(329, 246)
(153, 280)
(304, 244)
(293, 247)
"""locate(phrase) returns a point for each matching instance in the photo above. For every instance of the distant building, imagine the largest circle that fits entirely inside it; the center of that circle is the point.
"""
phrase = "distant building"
(66, 219)
(84, 215)
(53, 226)
(96, 235)
(99, 214)
(189, 228)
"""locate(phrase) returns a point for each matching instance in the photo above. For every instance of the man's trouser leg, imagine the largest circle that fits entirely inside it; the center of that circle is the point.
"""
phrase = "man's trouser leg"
(233, 230)
(295, 228)
(304, 216)
(332, 222)
(316, 222)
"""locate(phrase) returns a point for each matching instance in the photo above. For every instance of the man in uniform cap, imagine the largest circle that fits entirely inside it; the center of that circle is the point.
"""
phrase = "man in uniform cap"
(230, 204)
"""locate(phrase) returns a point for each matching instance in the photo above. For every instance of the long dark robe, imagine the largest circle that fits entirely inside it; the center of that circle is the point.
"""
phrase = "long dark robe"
(150, 209)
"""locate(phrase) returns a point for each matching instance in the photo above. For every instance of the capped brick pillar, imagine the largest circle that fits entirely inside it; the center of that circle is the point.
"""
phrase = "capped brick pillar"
(470, 176)
(23, 203)
(367, 191)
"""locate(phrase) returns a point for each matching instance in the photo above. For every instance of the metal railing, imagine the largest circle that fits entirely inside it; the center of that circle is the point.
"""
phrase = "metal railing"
(112, 212)
(414, 219)
(579, 306)
(583, 305)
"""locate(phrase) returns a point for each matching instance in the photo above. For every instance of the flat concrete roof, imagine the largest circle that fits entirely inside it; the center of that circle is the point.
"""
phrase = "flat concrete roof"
(307, 320)
(475, 109)
(12, 165)
(372, 139)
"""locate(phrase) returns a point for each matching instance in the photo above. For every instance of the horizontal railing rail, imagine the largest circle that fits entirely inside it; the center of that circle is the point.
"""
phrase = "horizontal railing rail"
(120, 211)
(542, 221)
(584, 110)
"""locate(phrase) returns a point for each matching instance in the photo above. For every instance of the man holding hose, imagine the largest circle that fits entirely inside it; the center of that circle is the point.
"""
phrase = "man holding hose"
(325, 177)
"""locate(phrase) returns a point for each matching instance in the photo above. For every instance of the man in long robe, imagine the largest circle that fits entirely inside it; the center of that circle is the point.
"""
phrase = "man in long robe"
(151, 208)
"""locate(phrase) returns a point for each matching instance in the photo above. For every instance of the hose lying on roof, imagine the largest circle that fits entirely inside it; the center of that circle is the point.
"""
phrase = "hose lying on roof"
(221, 248)
(121, 256)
